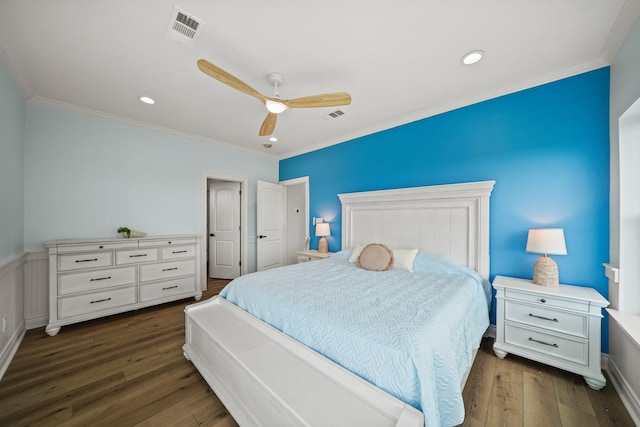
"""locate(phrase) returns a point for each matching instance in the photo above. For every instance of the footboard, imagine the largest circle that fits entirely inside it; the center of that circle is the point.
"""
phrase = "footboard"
(265, 378)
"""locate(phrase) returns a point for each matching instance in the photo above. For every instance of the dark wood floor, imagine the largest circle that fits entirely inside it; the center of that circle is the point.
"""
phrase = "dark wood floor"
(128, 370)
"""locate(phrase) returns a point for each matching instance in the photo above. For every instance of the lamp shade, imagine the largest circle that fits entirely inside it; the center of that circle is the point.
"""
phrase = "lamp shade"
(323, 229)
(546, 241)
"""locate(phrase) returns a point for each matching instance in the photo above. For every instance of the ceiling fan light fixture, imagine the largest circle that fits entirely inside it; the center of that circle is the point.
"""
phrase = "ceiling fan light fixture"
(275, 107)
(273, 139)
(472, 57)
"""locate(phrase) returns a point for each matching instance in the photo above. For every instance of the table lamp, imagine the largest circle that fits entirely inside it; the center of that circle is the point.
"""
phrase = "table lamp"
(322, 230)
(546, 241)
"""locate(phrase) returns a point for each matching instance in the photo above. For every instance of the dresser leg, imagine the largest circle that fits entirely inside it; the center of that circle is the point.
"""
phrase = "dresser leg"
(500, 353)
(596, 383)
(197, 296)
(52, 331)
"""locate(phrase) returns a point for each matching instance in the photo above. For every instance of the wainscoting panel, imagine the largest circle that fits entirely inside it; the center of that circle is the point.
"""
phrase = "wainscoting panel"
(36, 290)
(624, 354)
(12, 327)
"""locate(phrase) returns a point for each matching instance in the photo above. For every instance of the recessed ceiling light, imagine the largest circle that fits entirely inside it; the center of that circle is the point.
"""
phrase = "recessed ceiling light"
(147, 100)
(273, 139)
(472, 57)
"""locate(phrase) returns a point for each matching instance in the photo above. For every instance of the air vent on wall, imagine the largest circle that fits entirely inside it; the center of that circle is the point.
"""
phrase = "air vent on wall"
(184, 28)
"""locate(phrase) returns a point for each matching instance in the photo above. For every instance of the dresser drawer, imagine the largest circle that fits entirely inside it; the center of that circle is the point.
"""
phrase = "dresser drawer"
(85, 260)
(175, 252)
(165, 242)
(544, 300)
(133, 256)
(97, 246)
(552, 345)
(97, 301)
(96, 279)
(166, 270)
(547, 318)
(157, 290)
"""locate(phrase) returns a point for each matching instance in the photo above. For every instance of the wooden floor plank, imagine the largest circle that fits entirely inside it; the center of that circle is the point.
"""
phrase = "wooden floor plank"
(128, 369)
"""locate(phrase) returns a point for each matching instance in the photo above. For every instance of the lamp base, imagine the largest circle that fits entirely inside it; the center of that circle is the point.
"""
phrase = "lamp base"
(545, 272)
(323, 246)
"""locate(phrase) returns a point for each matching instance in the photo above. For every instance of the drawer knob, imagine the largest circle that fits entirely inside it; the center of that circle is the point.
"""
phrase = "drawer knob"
(543, 318)
(542, 300)
(545, 343)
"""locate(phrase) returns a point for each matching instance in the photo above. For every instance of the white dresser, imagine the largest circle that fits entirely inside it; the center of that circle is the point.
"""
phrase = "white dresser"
(99, 277)
(557, 326)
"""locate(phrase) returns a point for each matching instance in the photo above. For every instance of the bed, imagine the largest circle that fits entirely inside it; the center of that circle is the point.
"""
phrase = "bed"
(370, 349)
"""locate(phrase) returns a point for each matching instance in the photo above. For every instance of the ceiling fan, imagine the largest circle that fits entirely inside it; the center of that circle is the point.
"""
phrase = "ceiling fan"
(275, 105)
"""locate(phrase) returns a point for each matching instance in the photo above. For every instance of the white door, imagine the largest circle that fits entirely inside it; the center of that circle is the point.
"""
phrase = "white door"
(224, 229)
(270, 225)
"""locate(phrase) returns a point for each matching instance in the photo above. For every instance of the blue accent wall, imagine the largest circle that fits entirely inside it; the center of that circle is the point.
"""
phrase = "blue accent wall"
(546, 147)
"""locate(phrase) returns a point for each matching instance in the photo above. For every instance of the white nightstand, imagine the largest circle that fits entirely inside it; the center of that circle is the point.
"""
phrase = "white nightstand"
(312, 255)
(557, 326)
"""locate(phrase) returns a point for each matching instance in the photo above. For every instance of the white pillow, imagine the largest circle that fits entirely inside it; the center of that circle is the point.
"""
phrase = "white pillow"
(355, 253)
(403, 259)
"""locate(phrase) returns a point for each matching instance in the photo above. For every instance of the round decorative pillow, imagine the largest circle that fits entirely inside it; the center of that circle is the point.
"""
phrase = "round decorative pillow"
(375, 257)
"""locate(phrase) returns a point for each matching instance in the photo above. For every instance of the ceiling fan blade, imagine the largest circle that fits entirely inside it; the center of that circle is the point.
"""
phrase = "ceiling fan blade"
(269, 124)
(324, 100)
(228, 79)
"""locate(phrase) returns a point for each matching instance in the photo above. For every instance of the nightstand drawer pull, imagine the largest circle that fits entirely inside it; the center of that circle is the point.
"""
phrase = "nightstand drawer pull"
(542, 317)
(542, 300)
(170, 287)
(169, 269)
(100, 300)
(137, 256)
(542, 342)
(179, 252)
(100, 278)
(87, 260)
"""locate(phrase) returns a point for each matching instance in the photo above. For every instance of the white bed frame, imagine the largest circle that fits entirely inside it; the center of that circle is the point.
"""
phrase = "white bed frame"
(265, 378)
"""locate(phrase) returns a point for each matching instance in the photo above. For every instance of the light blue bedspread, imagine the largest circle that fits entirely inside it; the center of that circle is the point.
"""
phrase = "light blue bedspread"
(410, 334)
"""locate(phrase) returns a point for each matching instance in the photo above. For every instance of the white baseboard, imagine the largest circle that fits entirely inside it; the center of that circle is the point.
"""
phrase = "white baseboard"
(7, 353)
(628, 397)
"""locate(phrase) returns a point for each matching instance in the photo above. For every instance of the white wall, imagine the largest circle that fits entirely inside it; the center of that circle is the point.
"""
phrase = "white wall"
(625, 90)
(624, 342)
(85, 176)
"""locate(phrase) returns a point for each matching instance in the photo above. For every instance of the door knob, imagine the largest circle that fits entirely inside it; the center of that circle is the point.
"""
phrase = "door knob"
(261, 236)
(212, 235)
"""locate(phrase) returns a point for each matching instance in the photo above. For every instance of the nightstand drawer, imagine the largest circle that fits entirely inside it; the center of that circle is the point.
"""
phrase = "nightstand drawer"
(547, 318)
(545, 300)
(552, 345)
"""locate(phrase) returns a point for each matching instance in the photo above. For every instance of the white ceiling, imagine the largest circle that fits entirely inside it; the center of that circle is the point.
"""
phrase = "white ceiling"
(400, 60)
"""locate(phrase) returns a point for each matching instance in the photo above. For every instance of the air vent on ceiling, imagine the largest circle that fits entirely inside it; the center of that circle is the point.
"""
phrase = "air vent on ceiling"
(184, 28)
(335, 114)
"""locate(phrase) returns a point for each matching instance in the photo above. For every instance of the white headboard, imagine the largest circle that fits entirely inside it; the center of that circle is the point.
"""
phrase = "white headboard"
(451, 220)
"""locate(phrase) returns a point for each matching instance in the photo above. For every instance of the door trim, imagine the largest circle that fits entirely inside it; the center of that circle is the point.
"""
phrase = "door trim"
(296, 181)
(244, 218)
